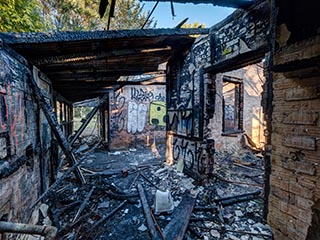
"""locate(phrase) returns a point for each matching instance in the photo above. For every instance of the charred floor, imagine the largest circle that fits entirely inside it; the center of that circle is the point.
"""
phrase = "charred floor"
(228, 206)
(196, 133)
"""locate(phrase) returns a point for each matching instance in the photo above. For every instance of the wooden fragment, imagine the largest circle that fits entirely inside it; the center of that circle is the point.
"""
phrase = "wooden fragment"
(53, 122)
(157, 226)
(146, 209)
(177, 227)
(84, 204)
(64, 176)
(103, 219)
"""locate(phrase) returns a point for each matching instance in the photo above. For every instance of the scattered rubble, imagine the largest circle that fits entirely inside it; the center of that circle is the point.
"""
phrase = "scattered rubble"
(118, 200)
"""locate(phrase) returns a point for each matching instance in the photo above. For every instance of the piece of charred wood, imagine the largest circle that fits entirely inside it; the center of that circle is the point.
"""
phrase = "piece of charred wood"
(157, 226)
(227, 201)
(64, 176)
(147, 213)
(80, 220)
(105, 218)
(177, 227)
(119, 196)
(205, 208)
(84, 204)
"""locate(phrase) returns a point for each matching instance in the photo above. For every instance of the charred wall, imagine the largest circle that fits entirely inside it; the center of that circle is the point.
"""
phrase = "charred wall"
(19, 137)
(194, 79)
(137, 115)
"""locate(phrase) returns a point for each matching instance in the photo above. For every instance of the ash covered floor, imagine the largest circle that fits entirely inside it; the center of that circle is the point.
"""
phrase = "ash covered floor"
(109, 206)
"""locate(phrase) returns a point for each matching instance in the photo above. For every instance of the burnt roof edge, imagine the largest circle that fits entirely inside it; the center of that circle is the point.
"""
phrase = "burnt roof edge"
(28, 38)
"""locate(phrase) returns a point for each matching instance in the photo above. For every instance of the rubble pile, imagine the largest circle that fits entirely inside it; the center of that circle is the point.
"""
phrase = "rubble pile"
(134, 195)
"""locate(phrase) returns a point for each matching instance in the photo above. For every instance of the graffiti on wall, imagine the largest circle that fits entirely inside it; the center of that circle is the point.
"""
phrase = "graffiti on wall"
(136, 117)
(141, 95)
(117, 116)
(190, 152)
(157, 113)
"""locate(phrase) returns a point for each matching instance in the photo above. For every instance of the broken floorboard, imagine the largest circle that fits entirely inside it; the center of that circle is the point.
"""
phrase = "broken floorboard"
(177, 227)
(146, 209)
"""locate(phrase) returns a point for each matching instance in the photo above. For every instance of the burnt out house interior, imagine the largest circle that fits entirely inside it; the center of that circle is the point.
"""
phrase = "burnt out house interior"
(200, 133)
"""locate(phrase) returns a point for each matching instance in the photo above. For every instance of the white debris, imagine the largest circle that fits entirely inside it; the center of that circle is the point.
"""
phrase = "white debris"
(142, 228)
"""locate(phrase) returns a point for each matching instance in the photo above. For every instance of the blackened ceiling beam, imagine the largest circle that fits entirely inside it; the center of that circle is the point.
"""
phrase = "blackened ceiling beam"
(97, 76)
(92, 56)
(223, 3)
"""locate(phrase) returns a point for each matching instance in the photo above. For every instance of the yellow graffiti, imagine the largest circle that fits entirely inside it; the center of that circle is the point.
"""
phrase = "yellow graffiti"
(157, 113)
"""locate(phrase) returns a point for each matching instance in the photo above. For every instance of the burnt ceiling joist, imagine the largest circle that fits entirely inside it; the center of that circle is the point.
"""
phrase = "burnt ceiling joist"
(223, 3)
(81, 64)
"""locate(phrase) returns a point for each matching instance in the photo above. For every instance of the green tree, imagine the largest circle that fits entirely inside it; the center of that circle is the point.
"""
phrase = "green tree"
(21, 16)
(73, 15)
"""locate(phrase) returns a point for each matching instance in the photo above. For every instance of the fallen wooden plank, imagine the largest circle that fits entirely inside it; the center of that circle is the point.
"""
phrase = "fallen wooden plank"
(64, 176)
(146, 209)
(177, 227)
(103, 219)
(84, 204)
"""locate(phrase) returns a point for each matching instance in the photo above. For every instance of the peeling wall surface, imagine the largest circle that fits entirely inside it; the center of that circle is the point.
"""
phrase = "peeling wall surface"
(19, 142)
(295, 178)
(137, 114)
(252, 119)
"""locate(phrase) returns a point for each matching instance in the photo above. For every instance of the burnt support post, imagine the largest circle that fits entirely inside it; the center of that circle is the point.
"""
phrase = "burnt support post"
(52, 120)
(90, 115)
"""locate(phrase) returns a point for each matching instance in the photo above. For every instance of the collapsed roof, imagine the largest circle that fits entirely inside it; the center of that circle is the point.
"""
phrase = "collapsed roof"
(83, 64)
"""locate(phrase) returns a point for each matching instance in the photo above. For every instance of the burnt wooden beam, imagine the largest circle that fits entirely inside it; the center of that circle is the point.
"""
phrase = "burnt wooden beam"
(146, 209)
(84, 204)
(105, 218)
(53, 122)
(177, 227)
(93, 56)
(90, 115)
(239, 61)
(64, 176)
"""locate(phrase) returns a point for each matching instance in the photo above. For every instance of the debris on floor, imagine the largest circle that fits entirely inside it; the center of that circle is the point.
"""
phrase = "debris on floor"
(134, 195)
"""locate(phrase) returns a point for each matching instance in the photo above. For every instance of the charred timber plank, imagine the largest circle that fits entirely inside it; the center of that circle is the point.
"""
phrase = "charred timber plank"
(64, 176)
(84, 204)
(147, 213)
(177, 227)
(105, 218)
(49, 232)
(52, 120)
(227, 201)
(93, 56)
(90, 115)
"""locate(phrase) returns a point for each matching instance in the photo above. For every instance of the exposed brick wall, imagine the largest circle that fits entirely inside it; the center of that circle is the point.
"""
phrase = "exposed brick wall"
(19, 138)
(295, 184)
(253, 123)
(130, 111)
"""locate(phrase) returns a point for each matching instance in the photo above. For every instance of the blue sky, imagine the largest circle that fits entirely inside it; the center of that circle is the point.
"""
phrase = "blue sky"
(207, 14)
